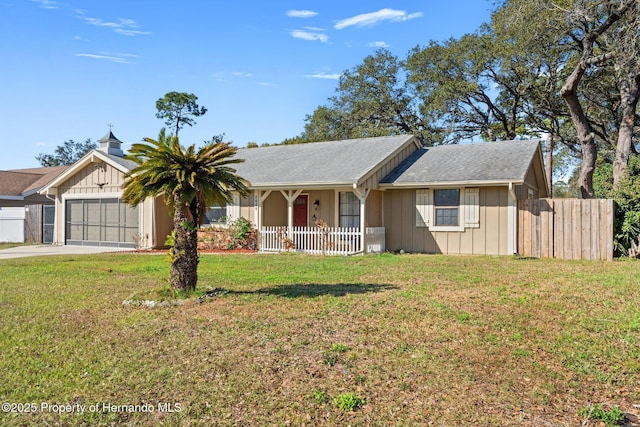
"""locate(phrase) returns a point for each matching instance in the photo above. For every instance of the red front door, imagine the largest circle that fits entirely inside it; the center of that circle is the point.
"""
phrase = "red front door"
(300, 213)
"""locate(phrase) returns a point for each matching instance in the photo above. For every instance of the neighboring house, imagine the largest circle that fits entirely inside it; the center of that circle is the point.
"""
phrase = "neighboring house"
(89, 209)
(25, 215)
(367, 195)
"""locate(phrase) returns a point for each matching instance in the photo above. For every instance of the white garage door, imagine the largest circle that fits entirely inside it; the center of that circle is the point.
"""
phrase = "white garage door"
(100, 222)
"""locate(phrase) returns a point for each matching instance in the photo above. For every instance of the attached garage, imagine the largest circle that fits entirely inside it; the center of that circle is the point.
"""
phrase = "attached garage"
(89, 210)
(101, 222)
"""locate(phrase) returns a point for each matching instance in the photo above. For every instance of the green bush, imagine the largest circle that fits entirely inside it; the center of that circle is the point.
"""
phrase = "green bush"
(242, 228)
(348, 401)
(611, 417)
(238, 234)
(627, 202)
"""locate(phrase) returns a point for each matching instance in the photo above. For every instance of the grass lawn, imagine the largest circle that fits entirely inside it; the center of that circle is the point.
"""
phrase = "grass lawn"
(301, 340)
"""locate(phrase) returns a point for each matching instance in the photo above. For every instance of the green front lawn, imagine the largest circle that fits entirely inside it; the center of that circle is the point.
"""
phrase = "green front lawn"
(293, 340)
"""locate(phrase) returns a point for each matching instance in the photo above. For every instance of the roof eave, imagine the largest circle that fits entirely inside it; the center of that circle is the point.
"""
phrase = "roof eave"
(443, 184)
(305, 186)
(31, 192)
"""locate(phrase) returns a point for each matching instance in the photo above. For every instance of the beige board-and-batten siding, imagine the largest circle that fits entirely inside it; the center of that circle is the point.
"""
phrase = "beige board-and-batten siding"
(100, 180)
(490, 238)
(566, 228)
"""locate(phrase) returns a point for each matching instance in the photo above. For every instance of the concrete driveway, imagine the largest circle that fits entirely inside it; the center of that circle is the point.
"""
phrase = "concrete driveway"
(40, 250)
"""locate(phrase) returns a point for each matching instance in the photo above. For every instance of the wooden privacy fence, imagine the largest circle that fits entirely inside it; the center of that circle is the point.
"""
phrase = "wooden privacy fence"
(566, 228)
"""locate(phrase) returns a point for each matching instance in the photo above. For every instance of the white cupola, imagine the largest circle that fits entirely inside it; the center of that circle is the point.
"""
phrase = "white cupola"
(111, 145)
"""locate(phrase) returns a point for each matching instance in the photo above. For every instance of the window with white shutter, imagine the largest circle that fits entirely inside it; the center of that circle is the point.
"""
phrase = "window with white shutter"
(424, 207)
(448, 209)
(472, 208)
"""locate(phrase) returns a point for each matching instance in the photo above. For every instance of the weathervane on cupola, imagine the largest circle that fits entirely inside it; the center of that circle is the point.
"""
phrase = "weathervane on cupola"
(110, 144)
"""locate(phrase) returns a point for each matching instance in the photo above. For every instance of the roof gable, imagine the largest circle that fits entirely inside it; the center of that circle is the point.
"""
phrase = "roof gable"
(488, 162)
(117, 162)
(344, 162)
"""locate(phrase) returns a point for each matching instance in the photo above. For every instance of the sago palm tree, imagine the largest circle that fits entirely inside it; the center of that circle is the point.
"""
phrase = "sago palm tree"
(190, 180)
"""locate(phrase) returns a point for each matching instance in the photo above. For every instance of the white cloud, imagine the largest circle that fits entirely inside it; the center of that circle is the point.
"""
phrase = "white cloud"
(46, 4)
(314, 29)
(373, 18)
(267, 84)
(124, 26)
(378, 44)
(120, 59)
(41, 144)
(309, 35)
(130, 32)
(333, 76)
(301, 13)
(241, 74)
(80, 39)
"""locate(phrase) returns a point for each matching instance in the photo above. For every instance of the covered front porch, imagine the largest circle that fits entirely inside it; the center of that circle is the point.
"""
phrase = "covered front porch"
(330, 221)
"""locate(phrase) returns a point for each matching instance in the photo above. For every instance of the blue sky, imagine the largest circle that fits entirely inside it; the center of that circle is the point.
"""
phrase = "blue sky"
(70, 67)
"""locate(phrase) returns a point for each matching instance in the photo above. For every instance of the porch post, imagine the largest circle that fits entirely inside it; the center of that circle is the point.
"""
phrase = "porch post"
(362, 195)
(256, 209)
(291, 196)
(262, 196)
(258, 199)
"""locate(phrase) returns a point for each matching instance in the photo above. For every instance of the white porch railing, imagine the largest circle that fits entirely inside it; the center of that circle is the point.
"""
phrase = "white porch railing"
(312, 240)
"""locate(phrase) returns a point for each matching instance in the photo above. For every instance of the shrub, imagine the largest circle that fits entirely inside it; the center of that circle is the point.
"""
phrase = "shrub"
(320, 396)
(240, 234)
(627, 203)
(611, 417)
(348, 401)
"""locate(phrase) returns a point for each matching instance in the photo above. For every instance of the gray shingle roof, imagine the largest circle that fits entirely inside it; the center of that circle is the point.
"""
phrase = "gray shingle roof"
(501, 161)
(330, 163)
(129, 164)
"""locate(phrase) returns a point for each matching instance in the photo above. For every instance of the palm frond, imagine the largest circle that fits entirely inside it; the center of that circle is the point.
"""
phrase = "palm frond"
(203, 176)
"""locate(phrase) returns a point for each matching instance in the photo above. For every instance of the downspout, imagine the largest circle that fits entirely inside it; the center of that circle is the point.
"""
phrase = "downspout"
(512, 221)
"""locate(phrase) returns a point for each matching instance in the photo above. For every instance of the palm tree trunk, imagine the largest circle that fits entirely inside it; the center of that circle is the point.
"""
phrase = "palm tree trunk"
(184, 253)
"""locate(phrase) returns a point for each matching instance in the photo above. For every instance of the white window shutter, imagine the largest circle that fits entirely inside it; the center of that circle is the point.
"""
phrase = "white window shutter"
(472, 207)
(424, 207)
(233, 208)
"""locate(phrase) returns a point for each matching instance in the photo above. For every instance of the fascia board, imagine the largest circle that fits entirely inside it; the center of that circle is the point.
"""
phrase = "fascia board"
(442, 184)
(306, 185)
